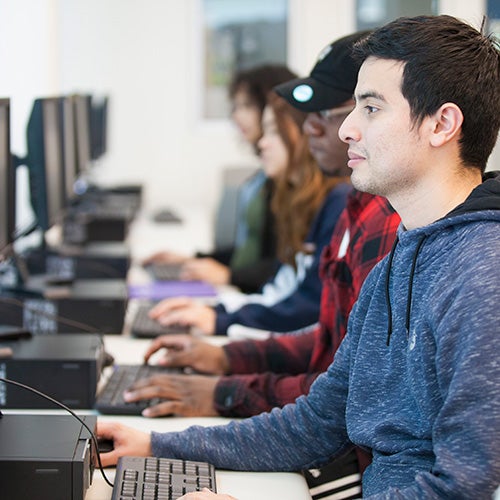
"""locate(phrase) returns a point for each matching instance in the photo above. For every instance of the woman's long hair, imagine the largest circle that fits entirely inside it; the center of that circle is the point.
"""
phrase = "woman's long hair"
(301, 190)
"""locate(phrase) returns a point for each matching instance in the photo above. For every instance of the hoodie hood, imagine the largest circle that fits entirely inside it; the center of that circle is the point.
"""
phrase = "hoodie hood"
(485, 197)
(483, 203)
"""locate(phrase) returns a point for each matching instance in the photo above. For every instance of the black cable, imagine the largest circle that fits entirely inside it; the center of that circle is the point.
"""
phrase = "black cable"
(71, 412)
(26, 230)
(6, 252)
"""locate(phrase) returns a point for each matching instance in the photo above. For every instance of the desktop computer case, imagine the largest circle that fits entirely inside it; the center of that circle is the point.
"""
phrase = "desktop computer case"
(45, 457)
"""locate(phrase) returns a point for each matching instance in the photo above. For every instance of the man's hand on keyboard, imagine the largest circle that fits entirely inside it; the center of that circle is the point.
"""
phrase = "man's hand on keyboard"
(126, 441)
(205, 494)
(185, 311)
(188, 351)
(186, 395)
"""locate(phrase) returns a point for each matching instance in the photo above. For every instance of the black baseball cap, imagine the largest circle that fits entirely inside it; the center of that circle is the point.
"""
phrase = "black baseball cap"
(332, 79)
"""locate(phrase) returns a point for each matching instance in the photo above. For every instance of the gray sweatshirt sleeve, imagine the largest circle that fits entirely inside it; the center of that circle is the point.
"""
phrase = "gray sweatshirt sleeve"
(305, 434)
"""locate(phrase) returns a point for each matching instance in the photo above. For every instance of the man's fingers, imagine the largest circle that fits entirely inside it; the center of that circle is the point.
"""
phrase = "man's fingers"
(165, 408)
(167, 342)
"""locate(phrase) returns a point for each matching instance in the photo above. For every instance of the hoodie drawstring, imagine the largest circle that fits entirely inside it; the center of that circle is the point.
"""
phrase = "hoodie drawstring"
(387, 294)
(410, 285)
(410, 288)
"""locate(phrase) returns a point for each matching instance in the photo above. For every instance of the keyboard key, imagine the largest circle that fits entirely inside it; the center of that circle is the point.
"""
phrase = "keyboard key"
(110, 398)
(140, 478)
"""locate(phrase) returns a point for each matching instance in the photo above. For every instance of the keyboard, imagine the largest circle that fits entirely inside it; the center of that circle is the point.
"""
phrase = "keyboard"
(151, 478)
(110, 398)
(164, 272)
(144, 327)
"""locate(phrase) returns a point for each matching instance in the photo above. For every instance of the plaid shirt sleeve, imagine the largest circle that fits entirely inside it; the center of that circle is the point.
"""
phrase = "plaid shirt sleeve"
(264, 374)
(274, 372)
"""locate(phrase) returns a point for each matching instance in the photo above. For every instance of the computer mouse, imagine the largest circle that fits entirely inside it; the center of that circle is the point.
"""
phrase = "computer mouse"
(166, 215)
(105, 445)
(108, 359)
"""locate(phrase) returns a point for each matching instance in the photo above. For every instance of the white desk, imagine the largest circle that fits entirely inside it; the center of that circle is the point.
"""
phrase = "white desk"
(194, 233)
(242, 485)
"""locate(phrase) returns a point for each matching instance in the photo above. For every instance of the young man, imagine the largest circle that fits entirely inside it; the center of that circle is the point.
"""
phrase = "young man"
(416, 379)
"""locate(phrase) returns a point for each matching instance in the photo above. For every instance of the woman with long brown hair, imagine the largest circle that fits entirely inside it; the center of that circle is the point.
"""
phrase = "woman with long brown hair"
(251, 260)
(306, 205)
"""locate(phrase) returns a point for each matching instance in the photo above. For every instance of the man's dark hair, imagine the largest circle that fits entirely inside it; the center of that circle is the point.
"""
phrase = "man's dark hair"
(445, 60)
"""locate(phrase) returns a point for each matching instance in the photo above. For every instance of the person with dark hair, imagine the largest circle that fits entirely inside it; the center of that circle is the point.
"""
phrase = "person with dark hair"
(248, 91)
(415, 381)
(252, 260)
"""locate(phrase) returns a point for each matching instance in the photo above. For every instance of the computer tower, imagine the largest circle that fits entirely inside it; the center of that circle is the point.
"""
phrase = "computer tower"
(83, 305)
(99, 218)
(95, 260)
(81, 228)
(65, 367)
(45, 457)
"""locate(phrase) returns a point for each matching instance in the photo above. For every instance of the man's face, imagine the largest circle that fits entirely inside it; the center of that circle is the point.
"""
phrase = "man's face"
(322, 130)
(387, 154)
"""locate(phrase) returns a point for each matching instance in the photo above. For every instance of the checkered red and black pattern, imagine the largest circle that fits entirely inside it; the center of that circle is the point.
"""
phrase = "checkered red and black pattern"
(274, 372)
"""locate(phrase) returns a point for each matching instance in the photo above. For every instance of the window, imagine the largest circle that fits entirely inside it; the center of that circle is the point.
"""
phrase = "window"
(238, 35)
(494, 16)
(374, 13)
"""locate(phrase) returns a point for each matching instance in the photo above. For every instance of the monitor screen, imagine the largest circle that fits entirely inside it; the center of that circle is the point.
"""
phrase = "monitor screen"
(98, 126)
(83, 135)
(69, 148)
(45, 160)
(7, 179)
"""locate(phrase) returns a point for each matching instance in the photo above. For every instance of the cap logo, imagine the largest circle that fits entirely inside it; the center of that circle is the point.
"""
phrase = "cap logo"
(303, 93)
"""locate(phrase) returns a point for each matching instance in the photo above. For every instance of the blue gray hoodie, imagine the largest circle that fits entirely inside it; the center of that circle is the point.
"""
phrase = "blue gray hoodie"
(416, 380)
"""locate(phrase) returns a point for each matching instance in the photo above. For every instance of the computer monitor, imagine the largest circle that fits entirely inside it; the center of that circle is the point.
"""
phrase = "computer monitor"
(83, 134)
(69, 137)
(7, 181)
(45, 160)
(98, 126)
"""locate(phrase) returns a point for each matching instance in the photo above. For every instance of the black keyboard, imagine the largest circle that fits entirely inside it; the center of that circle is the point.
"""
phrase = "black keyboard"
(110, 398)
(145, 327)
(164, 272)
(141, 478)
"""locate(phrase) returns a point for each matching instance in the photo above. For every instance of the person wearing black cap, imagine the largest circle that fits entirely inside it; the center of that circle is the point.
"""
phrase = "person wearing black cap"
(327, 96)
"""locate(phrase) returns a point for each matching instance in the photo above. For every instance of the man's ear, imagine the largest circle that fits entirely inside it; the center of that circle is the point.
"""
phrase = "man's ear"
(447, 124)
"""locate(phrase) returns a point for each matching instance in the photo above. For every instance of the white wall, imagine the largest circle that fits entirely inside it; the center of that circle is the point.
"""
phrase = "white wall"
(145, 55)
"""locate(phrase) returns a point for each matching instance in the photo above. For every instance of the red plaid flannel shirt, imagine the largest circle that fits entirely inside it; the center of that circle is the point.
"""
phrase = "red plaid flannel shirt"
(274, 372)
